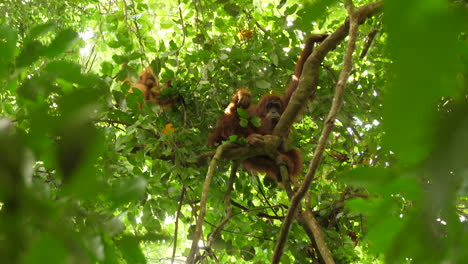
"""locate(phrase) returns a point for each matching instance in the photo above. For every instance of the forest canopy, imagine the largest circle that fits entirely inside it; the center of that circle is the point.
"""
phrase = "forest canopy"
(141, 131)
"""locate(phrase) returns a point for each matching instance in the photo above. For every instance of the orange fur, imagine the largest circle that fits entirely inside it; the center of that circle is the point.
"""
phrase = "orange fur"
(269, 109)
(149, 85)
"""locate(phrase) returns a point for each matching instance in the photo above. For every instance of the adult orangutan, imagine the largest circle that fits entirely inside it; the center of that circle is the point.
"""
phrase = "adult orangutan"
(269, 109)
(152, 90)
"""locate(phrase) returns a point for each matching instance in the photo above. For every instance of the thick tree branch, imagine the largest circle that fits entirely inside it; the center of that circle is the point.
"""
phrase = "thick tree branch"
(310, 73)
(311, 70)
(268, 146)
(307, 83)
(307, 220)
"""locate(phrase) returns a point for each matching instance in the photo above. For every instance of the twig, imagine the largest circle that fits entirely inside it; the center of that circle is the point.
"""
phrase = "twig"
(261, 238)
(137, 32)
(369, 40)
(89, 58)
(250, 16)
(184, 109)
(126, 124)
(263, 197)
(355, 132)
(204, 198)
(126, 16)
(264, 215)
(92, 63)
(330, 70)
(227, 201)
(177, 224)
(328, 126)
(183, 33)
(285, 179)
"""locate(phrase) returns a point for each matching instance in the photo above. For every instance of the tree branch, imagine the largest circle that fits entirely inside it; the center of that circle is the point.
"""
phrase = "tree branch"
(227, 202)
(310, 73)
(183, 34)
(126, 124)
(250, 16)
(309, 78)
(204, 197)
(263, 215)
(233, 151)
(308, 222)
(177, 223)
(369, 40)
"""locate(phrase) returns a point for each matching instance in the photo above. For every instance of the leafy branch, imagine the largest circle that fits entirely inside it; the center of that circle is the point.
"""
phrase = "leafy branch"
(126, 124)
(308, 83)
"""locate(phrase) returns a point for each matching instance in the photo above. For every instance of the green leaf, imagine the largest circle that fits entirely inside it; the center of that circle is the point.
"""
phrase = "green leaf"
(131, 251)
(219, 244)
(62, 42)
(66, 70)
(199, 39)
(107, 68)
(361, 205)
(129, 189)
(420, 80)
(274, 59)
(243, 113)
(29, 54)
(244, 122)
(191, 231)
(219, 23)
(115, 44)
(40, 30)
(120, 59)
(366, 176)
(32, 88)
(312, 11)
(290, 10)
(135, 56)
(149, 221)
(383, 234)
(223, 56)
(231, 249)
(256, 121)
(46, 249)
(232, 9)
(110, 251)
(166, 24)
(156, 65)
(8, 39)
(262, 84)
(173, 45)
(248, 252)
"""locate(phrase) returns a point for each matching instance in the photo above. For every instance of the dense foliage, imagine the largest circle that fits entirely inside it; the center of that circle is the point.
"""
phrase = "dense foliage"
(86, 176)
